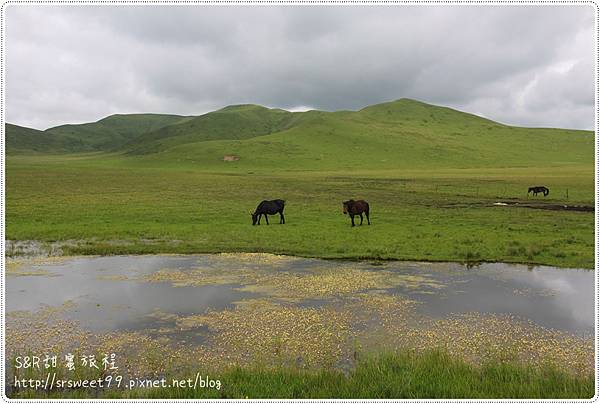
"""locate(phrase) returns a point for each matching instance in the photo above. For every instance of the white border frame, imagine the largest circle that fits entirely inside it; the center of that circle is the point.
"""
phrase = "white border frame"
(341, 3)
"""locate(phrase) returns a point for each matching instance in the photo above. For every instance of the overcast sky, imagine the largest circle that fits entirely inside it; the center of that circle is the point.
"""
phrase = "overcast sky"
(522, 65)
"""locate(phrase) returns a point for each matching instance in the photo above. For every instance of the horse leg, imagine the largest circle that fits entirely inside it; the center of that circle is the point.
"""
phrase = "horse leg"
(281, 218)
(361, 219)
(367, 215)
(267, 219)
(352, 218)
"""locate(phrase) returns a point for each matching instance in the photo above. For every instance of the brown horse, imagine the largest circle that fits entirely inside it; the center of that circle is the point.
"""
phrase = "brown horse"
(353, 208)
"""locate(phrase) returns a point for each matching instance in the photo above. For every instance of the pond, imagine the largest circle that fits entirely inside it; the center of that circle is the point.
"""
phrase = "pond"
(236, 308)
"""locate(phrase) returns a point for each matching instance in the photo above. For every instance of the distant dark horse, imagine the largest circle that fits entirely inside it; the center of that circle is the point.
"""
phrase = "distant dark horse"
(537, 190)
(269, 208)
(353, 208)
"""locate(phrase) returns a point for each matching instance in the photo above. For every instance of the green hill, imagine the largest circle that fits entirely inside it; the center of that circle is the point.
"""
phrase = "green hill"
(230, 123)
(398, 134)
(111, 133)
(20, 140)
(108, 134)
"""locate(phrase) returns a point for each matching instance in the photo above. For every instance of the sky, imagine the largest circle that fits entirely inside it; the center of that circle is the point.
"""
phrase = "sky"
(519, 65)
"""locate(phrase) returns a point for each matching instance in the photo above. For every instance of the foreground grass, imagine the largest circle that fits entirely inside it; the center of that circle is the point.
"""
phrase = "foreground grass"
(433, 374)
(104, 205)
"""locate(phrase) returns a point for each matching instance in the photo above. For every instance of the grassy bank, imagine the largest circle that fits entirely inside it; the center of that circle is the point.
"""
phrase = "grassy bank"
(406, 375)
(112, 205)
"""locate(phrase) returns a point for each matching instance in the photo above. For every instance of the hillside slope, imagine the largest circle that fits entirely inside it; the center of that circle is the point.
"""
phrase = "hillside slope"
(107, 134)
(111, 133)
(230, 123)
(398, 134)
(21, 140)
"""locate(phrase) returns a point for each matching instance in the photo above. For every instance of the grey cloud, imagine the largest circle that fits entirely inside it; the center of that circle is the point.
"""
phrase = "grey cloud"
(525, 65)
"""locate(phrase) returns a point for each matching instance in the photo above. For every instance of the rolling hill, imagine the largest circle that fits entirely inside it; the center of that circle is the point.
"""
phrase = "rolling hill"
(112, 132)
(23, 140)
(398, 134)
(107, 134)
(235, 122)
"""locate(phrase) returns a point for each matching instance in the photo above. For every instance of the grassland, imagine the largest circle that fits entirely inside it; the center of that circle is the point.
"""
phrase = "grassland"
(403, 375)
(416, 215)
(432, 176)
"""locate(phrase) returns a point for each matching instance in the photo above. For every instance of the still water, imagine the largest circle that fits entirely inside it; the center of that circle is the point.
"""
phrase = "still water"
(113, 293)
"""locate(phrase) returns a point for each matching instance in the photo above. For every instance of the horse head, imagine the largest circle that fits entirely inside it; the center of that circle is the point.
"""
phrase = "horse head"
(347, 205)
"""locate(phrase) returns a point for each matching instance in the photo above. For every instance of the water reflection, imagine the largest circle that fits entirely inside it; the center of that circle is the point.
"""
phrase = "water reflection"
(110, 294)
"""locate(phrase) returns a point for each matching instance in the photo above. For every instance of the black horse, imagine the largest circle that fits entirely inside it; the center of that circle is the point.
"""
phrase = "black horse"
(353, 208)
(537, 190)
(268, 208)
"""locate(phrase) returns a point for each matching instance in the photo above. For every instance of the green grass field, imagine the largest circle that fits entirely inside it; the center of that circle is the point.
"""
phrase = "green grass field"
(417, 215)
(404, 375)
(430, 174)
